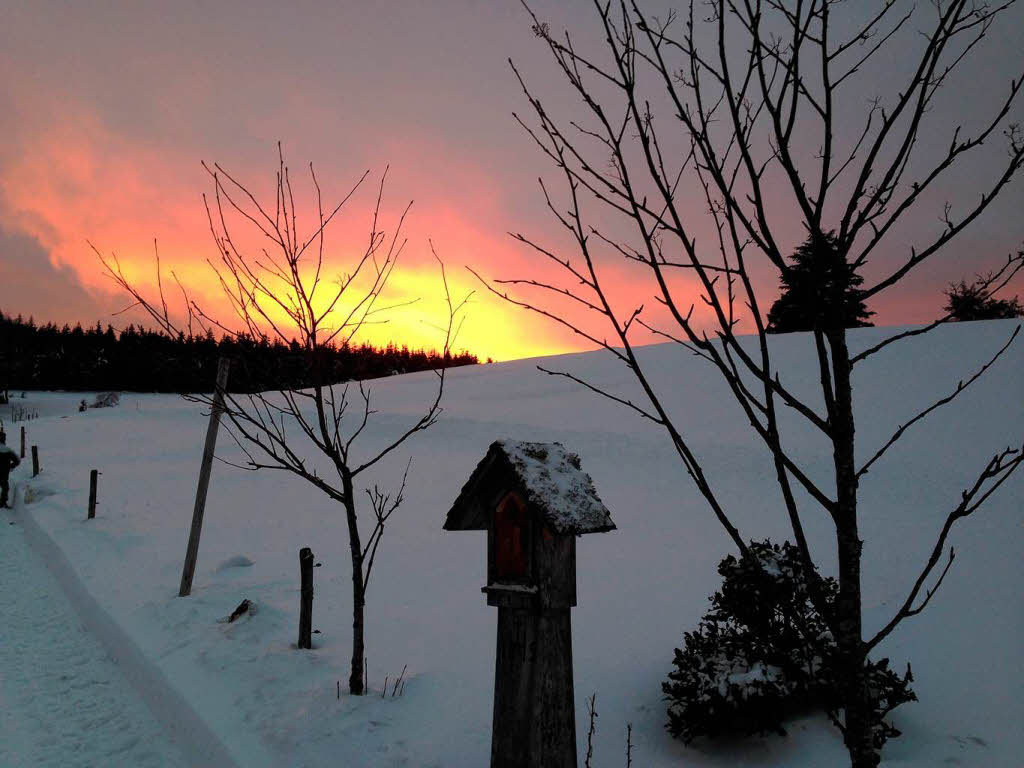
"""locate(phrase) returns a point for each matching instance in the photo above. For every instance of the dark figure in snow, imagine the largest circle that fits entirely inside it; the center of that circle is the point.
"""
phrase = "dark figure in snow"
(8, 461)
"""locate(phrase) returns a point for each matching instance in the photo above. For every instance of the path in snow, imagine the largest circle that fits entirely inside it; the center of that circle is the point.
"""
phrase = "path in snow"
(63, 699)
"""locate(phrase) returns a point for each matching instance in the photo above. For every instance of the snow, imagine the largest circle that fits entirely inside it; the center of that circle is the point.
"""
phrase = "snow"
(106, 400)
(551, 478)
(265, 703)
(64, 702)
(555, 483)
(521, 588)
(742, 680)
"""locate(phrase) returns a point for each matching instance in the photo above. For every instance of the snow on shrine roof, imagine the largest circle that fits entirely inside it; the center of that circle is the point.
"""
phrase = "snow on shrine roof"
(550, 479)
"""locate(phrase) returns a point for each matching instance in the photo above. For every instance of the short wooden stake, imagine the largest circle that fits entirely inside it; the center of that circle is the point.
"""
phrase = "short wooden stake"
(93, 476)
(23, 441)
(35, 460)
(306, 597)
(189, 569)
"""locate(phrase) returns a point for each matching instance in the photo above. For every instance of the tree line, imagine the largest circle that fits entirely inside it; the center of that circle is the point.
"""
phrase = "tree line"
(142, 360)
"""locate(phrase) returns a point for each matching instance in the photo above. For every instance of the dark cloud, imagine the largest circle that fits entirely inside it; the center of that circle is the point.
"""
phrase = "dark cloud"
(30, 284)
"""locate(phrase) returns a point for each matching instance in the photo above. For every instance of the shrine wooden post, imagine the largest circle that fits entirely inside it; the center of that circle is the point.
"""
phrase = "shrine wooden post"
(533, 499)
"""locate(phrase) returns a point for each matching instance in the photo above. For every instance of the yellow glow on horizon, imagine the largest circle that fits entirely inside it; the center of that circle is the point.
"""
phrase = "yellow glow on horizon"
(82, 184)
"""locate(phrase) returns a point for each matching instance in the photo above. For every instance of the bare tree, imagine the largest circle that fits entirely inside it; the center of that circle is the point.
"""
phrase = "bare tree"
(281, 289)
(710, 107)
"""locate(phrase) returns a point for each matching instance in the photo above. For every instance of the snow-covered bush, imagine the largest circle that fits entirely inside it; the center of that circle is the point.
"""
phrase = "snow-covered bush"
(764, 651)
(106, 400)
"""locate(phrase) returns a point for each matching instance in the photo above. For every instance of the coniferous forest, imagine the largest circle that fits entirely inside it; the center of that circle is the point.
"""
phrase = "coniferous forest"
(140, 360)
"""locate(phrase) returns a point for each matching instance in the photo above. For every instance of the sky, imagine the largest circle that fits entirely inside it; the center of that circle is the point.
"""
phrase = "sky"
(108, 108)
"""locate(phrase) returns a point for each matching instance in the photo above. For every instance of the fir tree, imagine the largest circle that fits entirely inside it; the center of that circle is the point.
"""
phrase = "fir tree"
(820, 290)
(973, 302)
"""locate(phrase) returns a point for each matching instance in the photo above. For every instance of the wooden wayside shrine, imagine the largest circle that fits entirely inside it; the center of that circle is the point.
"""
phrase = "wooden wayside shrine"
(533, 499)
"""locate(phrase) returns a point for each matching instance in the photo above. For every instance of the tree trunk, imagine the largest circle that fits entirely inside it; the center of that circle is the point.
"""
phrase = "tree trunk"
(855, 694)
(355, 678)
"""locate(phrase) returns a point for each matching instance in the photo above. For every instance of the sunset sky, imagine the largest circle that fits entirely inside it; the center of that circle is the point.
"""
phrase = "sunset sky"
(107, 109)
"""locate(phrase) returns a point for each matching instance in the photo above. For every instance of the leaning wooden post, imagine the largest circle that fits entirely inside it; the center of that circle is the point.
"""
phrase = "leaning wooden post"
(533, 499)
(35, 460)
(23, 441)
(306, 605)
(189, 569)
(93, 476)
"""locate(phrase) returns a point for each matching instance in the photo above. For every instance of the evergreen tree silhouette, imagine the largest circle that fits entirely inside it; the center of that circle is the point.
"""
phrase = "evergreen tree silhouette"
(141, 360)
(973, 302)
(820, 290)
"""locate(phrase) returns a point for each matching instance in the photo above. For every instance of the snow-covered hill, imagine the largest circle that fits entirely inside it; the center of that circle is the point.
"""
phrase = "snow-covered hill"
(639, 587)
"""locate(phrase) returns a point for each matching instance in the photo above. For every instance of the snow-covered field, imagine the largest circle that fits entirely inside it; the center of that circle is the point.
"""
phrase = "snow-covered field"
(639, 587)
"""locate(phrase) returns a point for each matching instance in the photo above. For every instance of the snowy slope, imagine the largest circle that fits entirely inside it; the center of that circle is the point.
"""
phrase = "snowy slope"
(639, 586)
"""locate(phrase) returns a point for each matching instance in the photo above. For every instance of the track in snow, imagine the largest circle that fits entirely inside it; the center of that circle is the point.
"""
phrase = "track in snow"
(63, 700)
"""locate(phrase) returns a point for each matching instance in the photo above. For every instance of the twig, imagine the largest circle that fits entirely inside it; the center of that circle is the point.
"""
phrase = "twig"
(960, 387)
(399, 680)
(593, 727)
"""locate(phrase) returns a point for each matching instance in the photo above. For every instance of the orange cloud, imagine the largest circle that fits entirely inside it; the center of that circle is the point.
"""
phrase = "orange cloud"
(79, 181)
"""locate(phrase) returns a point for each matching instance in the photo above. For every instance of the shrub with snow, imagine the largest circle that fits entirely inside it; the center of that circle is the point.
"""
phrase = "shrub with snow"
(764, 652)
(106, 400)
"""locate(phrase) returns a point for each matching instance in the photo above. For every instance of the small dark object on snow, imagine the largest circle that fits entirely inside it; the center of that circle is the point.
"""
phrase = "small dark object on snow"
(105, 400)
(243, 607)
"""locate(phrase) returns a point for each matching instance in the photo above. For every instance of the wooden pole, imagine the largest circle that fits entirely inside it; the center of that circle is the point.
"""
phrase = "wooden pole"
(35, 460)
(189, 569)
(93, 475)
(534, 722)
(306, 596)
(23, 441)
